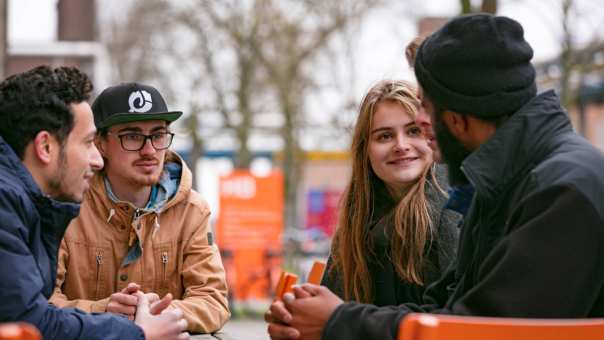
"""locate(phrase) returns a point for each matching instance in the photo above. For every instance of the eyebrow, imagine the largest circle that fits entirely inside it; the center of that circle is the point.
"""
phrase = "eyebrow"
(91, 134)
(389, 127)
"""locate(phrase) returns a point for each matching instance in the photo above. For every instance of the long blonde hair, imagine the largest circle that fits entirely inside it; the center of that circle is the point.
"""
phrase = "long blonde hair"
(411, 231)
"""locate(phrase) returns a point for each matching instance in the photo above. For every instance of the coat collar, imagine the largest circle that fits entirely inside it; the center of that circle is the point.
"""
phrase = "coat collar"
(523, 141)
(54, 215)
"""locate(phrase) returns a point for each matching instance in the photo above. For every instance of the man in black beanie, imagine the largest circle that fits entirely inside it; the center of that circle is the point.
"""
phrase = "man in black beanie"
(532, 244)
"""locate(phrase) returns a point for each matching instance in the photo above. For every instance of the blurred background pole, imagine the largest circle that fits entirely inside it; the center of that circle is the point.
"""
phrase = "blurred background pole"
(3, 40)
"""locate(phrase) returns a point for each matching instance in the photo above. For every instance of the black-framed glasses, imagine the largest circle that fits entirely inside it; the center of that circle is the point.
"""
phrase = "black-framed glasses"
(136, 141)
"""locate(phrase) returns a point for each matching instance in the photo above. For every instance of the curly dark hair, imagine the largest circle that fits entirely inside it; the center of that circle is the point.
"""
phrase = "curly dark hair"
(38, 100)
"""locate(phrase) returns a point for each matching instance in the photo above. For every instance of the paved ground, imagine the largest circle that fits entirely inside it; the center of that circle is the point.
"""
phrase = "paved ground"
(240, 329)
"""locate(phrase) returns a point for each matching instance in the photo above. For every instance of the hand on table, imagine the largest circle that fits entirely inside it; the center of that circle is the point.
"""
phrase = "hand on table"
(167, 325)
(303, 314)
(126, 301)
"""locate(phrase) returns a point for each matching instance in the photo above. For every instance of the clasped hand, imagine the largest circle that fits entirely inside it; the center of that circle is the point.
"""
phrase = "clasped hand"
(150, 313)
(303, 314)
(125, 302)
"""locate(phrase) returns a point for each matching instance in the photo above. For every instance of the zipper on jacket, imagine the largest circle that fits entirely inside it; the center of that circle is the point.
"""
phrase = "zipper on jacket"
(135, 218)
(99, 262)
(164, 261)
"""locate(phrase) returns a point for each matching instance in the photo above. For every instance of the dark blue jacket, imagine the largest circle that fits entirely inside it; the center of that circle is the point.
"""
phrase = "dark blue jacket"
(532, 244)
(31, 228)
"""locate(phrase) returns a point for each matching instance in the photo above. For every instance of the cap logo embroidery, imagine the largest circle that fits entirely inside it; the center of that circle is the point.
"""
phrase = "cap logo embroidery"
(140, 101)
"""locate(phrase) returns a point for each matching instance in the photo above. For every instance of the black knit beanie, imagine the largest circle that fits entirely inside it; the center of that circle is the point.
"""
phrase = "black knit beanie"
(477, 64)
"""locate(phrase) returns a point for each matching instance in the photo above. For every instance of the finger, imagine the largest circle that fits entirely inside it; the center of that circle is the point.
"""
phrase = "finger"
(268, 316)
(124, 299)
(143, 303)
(131, 288)
(282, 332)
(117, 308)
(183, 336)
(152, 297)
(300, 293)
(176, 313)
(290, 303)
(279, 312)
(161, 305)
(312, 289)
(182, 325)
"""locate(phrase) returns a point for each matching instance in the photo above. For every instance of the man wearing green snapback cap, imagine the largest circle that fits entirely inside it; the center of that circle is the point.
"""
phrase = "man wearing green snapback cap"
(141, 225)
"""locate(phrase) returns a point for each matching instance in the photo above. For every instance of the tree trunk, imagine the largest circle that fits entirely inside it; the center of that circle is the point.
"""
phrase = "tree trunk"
(3, 39)
(486, 6)
(246, 61)
(290, 166)
(196, 153)
(466, 7)
(566, 55)
(196, 144)
(489, 6)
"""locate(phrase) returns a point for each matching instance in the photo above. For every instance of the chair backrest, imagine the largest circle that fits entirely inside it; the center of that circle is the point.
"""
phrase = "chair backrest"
(286, 281)
(449, 327)
(316, 272)
(19, 331)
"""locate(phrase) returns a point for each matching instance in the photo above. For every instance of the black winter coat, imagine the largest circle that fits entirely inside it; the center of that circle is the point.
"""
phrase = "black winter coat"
(31, 228)
(532, 244)
(388, 287)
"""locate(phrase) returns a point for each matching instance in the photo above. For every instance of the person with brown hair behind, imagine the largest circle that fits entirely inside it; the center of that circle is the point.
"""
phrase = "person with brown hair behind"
(393, 237)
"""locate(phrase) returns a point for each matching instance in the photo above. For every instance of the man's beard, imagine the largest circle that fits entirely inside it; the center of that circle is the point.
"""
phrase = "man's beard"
(147, 179)
(57, 182)
(452, 152)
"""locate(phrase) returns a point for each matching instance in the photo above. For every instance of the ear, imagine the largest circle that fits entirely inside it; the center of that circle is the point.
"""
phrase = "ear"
(457, 123)
(100, 144)
(43, 147)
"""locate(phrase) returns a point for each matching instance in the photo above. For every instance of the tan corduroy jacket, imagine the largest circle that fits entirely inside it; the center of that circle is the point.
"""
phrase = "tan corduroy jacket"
(178, 255)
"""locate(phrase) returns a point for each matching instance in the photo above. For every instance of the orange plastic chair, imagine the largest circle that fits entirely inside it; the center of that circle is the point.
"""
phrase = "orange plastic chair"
(19, 331)
(316, 272)
(449, 327)
(286, 281)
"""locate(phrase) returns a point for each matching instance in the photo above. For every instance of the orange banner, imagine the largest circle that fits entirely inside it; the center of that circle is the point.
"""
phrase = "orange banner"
(248, 231)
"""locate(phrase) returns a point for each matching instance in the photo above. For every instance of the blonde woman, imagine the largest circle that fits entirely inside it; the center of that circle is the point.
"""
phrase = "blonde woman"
(393, 236)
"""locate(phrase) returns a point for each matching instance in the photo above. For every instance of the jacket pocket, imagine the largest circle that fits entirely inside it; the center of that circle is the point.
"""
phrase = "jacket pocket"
(99, 265)
(165, 268)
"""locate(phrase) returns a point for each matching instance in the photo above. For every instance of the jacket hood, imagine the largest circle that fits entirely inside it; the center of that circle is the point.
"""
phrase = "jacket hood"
(525, 139)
